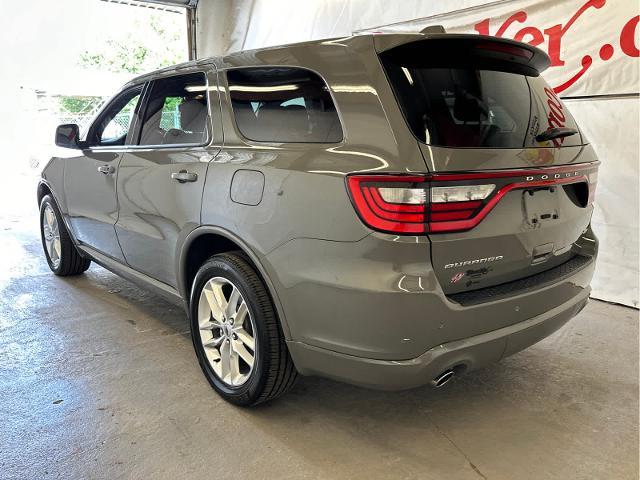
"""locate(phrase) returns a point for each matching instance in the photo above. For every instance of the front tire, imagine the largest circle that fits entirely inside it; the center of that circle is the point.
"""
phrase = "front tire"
(63, 257)
(236, 334)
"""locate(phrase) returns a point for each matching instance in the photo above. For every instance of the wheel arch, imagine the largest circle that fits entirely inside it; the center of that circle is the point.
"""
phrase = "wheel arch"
(205, 241)
(43, 189)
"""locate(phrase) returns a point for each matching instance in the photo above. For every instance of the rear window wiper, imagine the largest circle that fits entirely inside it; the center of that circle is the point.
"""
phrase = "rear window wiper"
(553, 133)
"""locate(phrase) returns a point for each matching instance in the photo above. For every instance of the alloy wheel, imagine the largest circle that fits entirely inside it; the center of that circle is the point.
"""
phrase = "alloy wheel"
(51, 234)
(227, 331)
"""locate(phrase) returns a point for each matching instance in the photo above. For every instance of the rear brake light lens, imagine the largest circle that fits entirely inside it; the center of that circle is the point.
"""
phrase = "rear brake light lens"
(442, 212)
(411, 196)
(393, 203)
(449, 202)
(461, 194)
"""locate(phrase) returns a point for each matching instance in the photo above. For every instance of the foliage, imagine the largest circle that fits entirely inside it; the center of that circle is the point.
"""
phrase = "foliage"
(149, 46)
(170, 113)
(78, 105)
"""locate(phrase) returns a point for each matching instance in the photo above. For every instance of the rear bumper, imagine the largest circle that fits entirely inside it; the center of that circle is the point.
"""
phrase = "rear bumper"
(378, 298)
(465, 354)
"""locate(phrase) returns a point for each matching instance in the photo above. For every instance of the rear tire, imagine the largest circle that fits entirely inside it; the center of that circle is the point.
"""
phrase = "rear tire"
(241, 350)
(63, 257)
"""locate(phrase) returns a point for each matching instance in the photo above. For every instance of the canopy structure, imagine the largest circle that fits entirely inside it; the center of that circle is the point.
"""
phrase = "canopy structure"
(169, 3)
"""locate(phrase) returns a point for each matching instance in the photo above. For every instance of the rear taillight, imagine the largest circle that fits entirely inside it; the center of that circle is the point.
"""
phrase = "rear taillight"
(443, 202)
(456, 202)
(390, 203)
(464, 193)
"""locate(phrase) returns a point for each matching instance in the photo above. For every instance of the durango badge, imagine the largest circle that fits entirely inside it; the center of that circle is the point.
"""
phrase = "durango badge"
(475, 261)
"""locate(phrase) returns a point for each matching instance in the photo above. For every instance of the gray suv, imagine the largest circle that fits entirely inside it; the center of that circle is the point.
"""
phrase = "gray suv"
(384, 210)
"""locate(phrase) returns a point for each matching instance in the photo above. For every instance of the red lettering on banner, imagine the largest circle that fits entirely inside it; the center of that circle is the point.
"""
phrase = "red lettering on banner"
(556, 32)
(587, 61)
(554, 35)
(536, 36)
(628, 38)
(483, 27)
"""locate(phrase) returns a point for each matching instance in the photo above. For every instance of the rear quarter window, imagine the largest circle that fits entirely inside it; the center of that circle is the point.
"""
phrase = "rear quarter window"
(283, 105)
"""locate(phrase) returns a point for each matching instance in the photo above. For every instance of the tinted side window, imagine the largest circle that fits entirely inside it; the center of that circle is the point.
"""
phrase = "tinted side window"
(282, 104)
(112, 127)
(176, 112)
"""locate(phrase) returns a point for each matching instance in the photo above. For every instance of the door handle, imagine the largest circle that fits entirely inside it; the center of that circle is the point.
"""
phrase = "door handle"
(106, 169)
(183, 176)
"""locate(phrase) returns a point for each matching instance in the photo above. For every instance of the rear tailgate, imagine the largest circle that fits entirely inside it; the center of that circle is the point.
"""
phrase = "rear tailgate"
(511, 180)
(531, 222)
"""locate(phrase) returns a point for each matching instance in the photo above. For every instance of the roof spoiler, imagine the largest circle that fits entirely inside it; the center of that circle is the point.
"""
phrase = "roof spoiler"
(452, 47)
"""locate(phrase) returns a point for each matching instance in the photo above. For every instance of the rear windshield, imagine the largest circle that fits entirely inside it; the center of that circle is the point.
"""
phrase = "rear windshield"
(474, 104)
(283, 104)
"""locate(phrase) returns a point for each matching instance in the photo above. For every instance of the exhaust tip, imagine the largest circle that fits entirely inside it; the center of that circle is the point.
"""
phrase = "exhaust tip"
(442, 379)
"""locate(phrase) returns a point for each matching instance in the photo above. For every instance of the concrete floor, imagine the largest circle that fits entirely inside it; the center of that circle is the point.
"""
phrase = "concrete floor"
(98, 380)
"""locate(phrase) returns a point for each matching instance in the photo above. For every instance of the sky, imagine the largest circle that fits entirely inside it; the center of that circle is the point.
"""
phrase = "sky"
(40, 45)
(45, 38)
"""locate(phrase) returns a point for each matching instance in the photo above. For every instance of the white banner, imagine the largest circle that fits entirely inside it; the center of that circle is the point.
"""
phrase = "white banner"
(586, 40)
(593, 44)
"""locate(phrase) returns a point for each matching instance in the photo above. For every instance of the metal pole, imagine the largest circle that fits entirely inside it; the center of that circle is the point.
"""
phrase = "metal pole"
(191, 33)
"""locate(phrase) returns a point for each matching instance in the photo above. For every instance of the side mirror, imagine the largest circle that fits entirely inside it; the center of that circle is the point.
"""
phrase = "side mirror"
(68, 136)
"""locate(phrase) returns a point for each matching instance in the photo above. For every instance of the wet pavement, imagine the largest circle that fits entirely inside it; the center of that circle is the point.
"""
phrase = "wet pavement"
(98, 380)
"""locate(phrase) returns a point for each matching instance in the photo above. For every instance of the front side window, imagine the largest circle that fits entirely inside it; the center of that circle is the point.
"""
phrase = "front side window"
(177, 112)
(113, 125)
(283, 104)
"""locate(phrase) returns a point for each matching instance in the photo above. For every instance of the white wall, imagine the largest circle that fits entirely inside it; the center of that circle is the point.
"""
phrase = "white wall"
(612, 124)
(612, 127)
(232, 25)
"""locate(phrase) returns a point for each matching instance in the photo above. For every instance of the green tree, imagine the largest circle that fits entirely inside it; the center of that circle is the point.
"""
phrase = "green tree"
(78, 105)
(151, 45)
